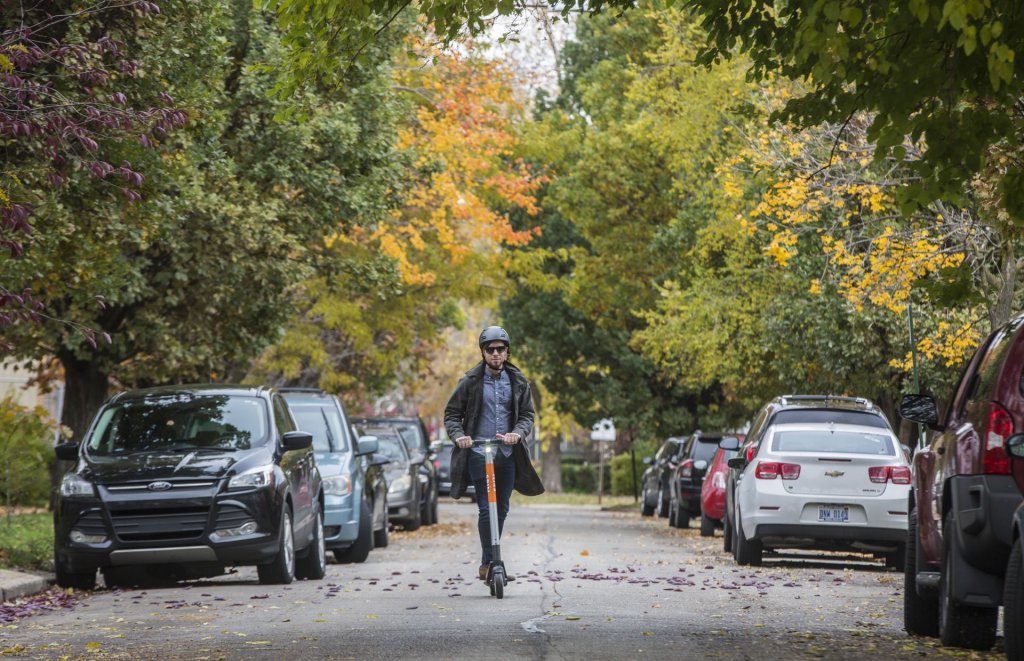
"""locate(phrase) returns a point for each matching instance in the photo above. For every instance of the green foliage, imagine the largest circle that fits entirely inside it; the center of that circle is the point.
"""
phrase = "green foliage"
(582, 478)
(26, 448)
(26, 542)
(943, 74)
(622, 471)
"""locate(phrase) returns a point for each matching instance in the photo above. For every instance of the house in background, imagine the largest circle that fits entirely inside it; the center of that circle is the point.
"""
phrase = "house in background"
(14, 384)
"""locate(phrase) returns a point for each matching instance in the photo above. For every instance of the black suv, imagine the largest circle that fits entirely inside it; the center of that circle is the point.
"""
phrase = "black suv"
(655, 496)
(417, 439)
(687, 477)
(185, 481)
(788, 409)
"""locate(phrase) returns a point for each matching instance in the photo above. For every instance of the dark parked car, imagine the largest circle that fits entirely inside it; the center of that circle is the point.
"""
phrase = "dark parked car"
(443, 461)
(402, 473)
(789, 409)
(962, 511)
(355, 489)
(417, 440)
(687, 477)
(654, 497)
(186, 481)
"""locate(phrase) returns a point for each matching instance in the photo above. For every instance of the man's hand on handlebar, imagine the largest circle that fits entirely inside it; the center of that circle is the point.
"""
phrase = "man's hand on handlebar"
(464, 441)
(510, 438)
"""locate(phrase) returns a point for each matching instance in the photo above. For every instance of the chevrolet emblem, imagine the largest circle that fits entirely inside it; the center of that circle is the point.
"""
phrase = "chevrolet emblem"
(835, 473)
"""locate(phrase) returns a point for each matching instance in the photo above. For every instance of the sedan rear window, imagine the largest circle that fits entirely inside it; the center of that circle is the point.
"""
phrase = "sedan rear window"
(840, 442)
(838, 416)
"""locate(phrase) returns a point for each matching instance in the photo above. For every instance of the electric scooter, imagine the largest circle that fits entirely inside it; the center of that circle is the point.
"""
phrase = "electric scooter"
(496, 580)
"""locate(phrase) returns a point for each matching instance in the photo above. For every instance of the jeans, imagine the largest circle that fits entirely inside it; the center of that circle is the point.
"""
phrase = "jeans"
(504, 481)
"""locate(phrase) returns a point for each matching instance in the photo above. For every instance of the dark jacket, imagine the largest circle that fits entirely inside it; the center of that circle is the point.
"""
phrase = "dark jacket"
(462, 414)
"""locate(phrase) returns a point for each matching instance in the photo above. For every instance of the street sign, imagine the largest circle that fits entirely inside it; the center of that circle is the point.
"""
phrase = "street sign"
(603, 430)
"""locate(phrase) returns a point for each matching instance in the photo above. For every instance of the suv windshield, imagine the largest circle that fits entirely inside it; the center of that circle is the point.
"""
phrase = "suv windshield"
(847, 442)
(390, 446)
(323, 423)
(179, 422)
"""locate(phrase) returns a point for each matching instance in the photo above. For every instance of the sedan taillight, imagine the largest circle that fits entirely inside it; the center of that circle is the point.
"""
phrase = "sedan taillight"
(769, 470)
(894, 474)
(1000, 428)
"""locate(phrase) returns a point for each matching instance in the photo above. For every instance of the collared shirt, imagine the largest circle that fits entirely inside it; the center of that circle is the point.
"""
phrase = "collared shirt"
(496, 413)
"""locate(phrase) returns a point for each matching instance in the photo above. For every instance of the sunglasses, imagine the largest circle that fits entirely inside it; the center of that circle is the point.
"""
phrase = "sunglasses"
(498, 349)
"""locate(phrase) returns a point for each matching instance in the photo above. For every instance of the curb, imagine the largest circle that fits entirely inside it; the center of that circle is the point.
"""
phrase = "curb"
(15, 584)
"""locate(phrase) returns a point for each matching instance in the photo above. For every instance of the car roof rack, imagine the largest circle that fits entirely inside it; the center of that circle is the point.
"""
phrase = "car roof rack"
(785, 399)
(300, 389)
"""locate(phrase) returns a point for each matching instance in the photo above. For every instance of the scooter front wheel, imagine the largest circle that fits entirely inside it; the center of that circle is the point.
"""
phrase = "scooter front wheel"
(498, 582)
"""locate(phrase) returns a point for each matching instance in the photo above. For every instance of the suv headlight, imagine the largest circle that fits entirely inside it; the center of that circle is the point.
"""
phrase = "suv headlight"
(338, 485)
(75, 486)
(263, 476)
(400, 485)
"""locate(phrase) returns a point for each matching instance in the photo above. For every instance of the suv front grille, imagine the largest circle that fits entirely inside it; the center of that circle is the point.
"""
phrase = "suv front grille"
(180, 523)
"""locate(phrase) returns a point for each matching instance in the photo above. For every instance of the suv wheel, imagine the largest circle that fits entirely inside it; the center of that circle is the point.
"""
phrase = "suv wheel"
(662, 503)
(682, 516)
(313, 565)
(360, 549)
(645, 508)
(1013, 604)
(380, 537)
(747, 552)
(281, 570)
(79, 580)
(726, 534)
(920, 614)
(960, 625)
(707, 525)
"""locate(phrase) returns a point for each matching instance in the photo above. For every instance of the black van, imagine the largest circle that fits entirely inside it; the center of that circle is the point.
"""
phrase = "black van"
(185, 481)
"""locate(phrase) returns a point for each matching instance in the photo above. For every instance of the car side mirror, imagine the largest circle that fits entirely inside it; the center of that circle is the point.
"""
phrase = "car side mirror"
(731, 444)
(647, 460)
(416, 457)
(367, 445)
(66, 451)
(738, 463)
(920, 408)
(436, 446)
(1014, 446)
(379, 460)
(296, 440)
(700, 465)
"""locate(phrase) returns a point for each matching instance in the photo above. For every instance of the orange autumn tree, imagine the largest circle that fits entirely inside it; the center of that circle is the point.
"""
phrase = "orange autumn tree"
(392, 284)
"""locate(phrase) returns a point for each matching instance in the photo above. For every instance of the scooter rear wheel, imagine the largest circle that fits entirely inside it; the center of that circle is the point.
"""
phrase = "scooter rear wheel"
(498, 582)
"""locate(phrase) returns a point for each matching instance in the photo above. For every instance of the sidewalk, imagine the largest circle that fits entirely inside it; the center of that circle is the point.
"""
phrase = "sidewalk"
(15, 584)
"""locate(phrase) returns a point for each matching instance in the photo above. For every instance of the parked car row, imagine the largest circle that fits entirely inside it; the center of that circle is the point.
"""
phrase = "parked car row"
(183, 482)
(815, 472)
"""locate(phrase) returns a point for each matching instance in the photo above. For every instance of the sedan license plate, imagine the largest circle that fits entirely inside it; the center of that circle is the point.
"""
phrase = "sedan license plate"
(834, 513)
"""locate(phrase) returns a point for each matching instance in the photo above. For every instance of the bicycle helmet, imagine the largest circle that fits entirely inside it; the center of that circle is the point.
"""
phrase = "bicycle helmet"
(494, 334)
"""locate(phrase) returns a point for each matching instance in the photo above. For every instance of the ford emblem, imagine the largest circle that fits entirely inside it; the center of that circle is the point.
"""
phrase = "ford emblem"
(159, 486)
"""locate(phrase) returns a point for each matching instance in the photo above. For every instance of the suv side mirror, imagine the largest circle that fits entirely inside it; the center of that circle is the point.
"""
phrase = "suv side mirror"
(436, 446)
(647, 460)
(367, 445)
(66, 451)
(1014, 446)
(920, 408)
(416, 457)
(732, 444)
(738, 463)
(296, 440)
(700, 465)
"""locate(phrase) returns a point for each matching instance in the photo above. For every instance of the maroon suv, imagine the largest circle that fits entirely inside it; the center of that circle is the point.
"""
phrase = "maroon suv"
(961, 525)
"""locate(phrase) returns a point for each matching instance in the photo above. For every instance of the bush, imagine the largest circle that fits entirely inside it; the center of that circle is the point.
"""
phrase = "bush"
(26, 448)
(26, 541)
(582, 478)
(622, 474)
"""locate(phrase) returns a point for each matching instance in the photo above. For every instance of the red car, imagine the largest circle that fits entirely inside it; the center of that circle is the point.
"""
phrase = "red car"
(962, 524)
(712, 492)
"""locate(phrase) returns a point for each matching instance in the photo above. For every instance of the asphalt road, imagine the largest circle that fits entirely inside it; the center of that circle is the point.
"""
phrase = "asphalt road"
(591, 585)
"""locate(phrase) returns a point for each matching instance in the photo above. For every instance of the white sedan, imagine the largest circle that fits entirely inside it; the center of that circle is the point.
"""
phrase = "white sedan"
(823, 486)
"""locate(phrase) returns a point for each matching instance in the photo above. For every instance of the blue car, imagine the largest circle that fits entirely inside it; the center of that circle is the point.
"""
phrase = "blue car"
(355, 488)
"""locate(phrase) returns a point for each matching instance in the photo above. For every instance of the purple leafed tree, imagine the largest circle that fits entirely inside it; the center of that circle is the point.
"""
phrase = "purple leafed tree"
(60, 102)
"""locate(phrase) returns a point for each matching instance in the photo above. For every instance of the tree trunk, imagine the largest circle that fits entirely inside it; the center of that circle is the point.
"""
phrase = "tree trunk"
(551, 464)
(85, 389)
(1003, 307)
